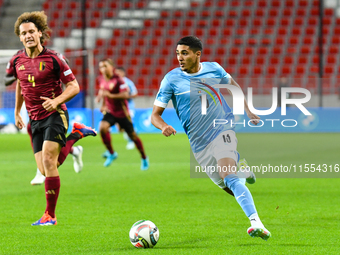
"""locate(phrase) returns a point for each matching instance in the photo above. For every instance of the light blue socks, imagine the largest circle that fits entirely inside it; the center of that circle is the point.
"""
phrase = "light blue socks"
(241, 193)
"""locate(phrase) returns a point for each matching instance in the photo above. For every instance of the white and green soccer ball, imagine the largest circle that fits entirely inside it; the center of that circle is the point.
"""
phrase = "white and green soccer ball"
(144, 234)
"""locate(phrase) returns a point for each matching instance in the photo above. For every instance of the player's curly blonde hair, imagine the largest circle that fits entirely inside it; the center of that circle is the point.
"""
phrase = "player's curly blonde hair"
(39, 19)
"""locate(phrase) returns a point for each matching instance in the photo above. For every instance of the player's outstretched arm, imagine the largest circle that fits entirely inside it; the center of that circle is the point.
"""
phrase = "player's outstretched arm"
(18, 104)
(254, 118)
(158, 122)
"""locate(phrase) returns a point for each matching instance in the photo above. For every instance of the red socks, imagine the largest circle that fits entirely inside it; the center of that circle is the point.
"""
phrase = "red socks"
(52, 187)
(106, 138)
(67, 148)
(139, 146)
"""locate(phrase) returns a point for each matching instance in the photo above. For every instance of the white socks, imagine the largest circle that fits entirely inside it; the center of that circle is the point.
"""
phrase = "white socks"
(255, 220)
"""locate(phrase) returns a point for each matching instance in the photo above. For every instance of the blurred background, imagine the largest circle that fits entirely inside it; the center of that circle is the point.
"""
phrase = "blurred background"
(261, 43)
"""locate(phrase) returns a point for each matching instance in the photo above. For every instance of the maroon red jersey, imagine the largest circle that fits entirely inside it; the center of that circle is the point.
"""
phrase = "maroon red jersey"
(117, 107)
(40, 76)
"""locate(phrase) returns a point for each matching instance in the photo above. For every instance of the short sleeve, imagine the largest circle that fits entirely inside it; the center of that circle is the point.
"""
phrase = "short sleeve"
(226, 78)
(164, 94)
(66, 74)
(10, 70)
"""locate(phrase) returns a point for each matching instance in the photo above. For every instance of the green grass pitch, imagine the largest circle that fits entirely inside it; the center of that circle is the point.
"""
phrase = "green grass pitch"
(97, 207)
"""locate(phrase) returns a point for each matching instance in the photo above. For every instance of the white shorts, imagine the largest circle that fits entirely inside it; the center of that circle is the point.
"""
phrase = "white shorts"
(223, 146)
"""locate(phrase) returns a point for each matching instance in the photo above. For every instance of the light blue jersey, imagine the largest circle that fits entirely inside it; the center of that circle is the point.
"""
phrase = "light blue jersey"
(133, 91)
(186, 90)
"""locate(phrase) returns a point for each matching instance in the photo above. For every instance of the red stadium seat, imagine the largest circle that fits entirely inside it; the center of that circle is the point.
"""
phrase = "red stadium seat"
(216, 22)
(229, 22)
(311, 30)
(262, 3)
(285, 70)
(273, 12)
(147, 61)
(314, 12)
(296, 31)
(287, 12)
(243, 70)
(249, 50)
(219, 13)
(273, 61)
(191, 14)
(300, 70)
(260, 60)
(245, 13)
(134, 61)
(234, 51)
(259, 13)
(186, 31)
(238, 41)
(221, 3)
(289, 3)
(245, 60)
(331, 59)
(189, 23)
(285, 21)
(301, 12)
(280, 40)
(178, 14)
(333, 49)
(312, 21)
(305, 49)
(303, 3)
(276, 3)
(302, 60)
(262, 50)
(308, 40)
(99, 42)
(252, 41)
(277, 50)
(329, 12)
(288, 60)
(220, 51)
(336, 40)
(257, 22)
(257, 70)
(206, 14)
(271, 22)
(298, 21)
(213, 32)
(294, 40)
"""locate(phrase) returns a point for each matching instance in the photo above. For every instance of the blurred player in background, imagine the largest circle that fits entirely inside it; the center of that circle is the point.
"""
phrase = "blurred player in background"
(131, 104)
(76, 151)
(114, 93)
(211, 145)
(40, 73)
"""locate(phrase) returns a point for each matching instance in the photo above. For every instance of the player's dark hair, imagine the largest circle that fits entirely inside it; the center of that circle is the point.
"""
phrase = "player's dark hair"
(39, 19)
(193, 42)
(120, 68)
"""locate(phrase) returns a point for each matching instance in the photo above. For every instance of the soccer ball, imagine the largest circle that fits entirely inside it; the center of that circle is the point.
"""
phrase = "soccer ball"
(144, 234)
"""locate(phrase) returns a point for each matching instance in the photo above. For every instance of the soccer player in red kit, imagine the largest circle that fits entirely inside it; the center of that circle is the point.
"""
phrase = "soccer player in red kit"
(76, 151)
(114, 94)
(40, 73)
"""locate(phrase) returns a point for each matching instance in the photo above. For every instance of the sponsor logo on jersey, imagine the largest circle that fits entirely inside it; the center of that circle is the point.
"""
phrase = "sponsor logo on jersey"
(42, 66)
(22, 67)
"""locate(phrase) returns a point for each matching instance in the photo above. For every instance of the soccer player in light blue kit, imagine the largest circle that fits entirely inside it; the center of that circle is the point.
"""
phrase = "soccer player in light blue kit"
(133, 92)
(211, 144)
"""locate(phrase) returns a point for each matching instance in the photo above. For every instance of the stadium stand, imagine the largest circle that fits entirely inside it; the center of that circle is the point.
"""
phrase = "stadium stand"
(255, 39)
